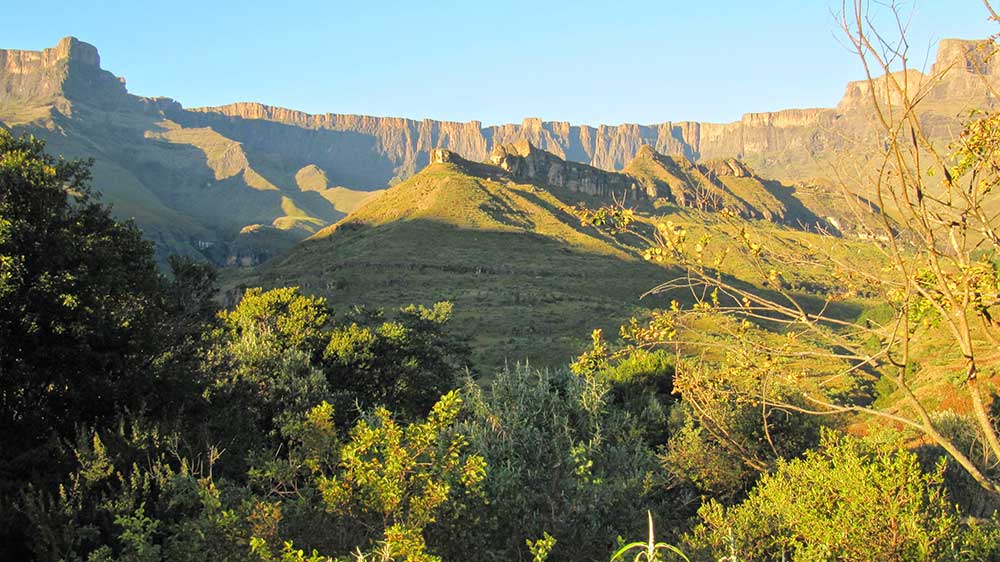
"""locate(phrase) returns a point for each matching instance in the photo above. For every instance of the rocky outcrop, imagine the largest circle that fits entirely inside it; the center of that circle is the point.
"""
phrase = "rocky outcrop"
(968, 57)
(526, 163)
(701, 187)
(445, 156)
(728, 167)
(29, 62)
(71, 69)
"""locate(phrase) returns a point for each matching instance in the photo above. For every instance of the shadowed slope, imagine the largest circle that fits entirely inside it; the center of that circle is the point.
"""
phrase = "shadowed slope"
(526, 281)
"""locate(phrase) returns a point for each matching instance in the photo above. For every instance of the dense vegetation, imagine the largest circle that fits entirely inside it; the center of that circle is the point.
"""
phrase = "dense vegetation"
(797, 403)
(142, 423)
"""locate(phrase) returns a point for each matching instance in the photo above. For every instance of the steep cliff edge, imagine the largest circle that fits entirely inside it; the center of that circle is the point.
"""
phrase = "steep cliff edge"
(193, 190)
(790, 145)
(197, 178)
(70, 70)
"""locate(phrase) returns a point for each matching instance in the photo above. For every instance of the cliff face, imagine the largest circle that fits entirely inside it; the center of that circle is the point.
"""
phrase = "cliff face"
(193, 177)
(71, 69)
(393, 149)
(792, 145)
(530, 165)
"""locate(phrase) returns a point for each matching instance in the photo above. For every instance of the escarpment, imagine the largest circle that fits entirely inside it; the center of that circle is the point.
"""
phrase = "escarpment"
(791, 144)
(195, 178)
(71, 69)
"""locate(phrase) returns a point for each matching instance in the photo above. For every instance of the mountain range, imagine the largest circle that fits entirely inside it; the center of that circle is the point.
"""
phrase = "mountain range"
(384, 212)
(240, 183)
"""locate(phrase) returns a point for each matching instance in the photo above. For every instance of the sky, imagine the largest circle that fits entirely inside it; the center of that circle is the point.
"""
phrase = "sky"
(586, 62)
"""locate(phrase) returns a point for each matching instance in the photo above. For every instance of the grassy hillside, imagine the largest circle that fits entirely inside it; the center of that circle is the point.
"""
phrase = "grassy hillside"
(193, 190)
(527, 281)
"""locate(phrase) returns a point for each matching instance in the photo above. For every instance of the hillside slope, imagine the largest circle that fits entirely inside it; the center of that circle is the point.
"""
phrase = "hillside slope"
(243, 182)
(193, 190)
(527, 281)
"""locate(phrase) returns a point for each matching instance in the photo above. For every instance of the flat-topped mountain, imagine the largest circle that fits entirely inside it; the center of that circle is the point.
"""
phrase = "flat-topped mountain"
(791, 145)
(243, 182)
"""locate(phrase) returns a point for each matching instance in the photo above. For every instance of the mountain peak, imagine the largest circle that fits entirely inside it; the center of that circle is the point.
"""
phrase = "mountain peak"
(646, 154)
(69, 71)
(646, 151)
(71, 48)
(971, 55)
(14, 61)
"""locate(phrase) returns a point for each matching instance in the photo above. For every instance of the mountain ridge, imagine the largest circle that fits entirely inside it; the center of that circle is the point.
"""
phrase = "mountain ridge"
(780, 144)
(505, 237)
(197, 180)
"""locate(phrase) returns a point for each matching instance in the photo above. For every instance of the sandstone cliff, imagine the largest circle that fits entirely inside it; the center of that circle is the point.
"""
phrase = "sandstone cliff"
(193, 177)
(531, 165)
(71, 69)
(791, 145)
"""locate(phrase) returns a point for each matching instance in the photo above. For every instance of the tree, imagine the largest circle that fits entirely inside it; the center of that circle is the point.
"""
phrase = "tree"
(81, 302)
(404, 363)
(89, 329)
(565, 460)
(937, 273)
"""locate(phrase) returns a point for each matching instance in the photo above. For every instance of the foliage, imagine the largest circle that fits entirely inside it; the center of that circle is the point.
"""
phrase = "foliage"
(80, 296)
(383, 486)
(724, 434)
(720, 435)
(267, 322)
(132, 497)
(649, 550)
(89, 328)
(541, 548)
(279, 352)
(850, 499)
(564, 458)
(405, 363)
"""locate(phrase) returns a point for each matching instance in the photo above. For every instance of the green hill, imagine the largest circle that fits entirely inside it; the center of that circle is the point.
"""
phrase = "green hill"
(527, 281)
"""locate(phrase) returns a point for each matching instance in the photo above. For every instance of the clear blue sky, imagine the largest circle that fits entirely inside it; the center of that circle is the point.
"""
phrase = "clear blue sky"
(495, 61)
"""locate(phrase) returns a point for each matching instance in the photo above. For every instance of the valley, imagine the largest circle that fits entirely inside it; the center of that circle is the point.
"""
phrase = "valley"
(248, 332)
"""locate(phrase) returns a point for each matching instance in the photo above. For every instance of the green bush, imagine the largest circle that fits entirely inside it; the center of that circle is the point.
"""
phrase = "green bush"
(564, 460)
(849, 499)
